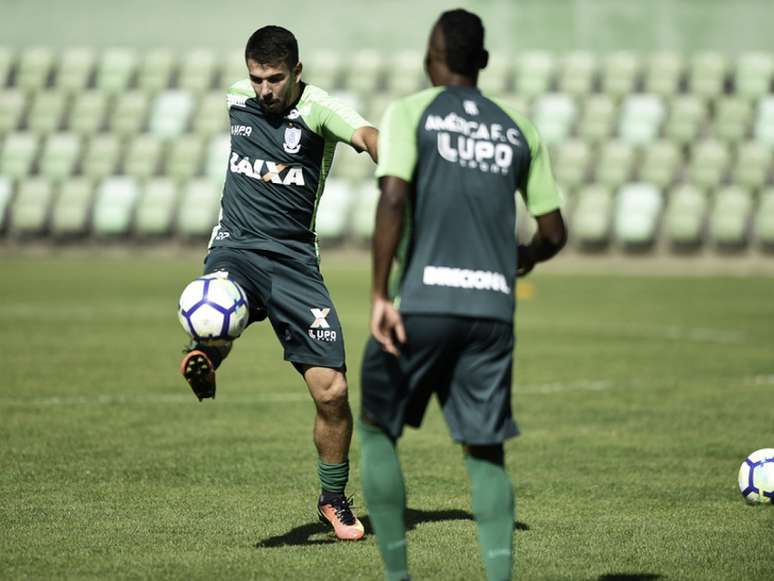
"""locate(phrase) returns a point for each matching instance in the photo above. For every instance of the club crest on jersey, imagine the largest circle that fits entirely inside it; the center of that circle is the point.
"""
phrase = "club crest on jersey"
(292, 140)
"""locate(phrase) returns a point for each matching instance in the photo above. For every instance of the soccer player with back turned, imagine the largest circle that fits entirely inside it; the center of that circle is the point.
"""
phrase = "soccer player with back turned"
(283, 135)
(450, 161)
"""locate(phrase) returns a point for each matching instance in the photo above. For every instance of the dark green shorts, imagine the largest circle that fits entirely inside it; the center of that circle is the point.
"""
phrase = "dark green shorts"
(466, 362)
(295, 298)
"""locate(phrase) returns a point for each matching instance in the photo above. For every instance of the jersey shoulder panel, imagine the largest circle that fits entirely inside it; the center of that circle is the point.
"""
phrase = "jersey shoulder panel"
(398, 133)
(526, 126)
(239, 93)
(327, 115)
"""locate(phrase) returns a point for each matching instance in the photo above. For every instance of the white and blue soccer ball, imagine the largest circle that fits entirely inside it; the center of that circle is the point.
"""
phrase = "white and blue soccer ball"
(756, 477)
(213, 307)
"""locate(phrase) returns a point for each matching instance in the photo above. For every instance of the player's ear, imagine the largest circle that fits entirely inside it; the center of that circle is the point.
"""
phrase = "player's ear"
(484, 59)
(297, 70)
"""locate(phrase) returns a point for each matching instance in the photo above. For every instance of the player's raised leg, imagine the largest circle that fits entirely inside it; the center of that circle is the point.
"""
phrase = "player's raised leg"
(332, 437)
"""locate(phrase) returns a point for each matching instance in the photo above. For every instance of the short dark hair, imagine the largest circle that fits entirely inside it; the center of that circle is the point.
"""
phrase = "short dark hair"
(463, 34)
(272, 45)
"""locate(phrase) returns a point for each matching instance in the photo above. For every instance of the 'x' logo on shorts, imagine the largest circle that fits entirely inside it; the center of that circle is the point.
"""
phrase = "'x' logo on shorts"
(319, 319)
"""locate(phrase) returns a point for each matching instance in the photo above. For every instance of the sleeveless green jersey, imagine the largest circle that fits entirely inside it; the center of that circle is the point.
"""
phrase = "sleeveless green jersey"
(465, 156)
(277, 168)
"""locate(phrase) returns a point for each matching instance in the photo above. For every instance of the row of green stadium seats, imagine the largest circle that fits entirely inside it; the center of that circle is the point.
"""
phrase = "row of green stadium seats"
(637, 119)
(706, 163)
(167, 114)
(530, 72)
(636, 215)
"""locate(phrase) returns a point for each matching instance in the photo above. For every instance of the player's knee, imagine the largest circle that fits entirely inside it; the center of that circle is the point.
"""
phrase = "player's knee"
(332, 393)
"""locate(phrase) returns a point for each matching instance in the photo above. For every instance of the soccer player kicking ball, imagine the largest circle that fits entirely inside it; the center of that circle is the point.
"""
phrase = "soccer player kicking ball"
(283, 135)
(450, 160)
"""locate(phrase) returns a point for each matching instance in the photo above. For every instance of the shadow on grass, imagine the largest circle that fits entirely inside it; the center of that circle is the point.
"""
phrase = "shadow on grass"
(302, 535)
(629, 577)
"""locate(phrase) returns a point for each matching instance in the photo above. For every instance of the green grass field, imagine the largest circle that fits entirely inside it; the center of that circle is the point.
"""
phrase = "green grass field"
(638, 398)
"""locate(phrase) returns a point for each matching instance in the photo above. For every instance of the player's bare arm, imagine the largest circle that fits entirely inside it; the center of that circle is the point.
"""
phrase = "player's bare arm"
(386, 322)
(550, 238)
(366, 139)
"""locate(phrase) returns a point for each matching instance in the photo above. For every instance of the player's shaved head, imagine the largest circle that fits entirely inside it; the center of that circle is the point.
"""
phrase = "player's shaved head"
(463, 37)
(272, 45)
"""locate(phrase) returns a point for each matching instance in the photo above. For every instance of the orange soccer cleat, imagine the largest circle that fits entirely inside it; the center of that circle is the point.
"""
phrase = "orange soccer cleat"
(336, 510)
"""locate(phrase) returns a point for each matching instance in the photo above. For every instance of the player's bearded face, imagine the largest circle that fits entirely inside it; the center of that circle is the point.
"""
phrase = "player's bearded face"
(275, 85)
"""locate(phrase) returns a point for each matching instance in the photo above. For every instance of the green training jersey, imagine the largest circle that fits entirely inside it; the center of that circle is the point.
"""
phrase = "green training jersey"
(277, 169)
(465, 156)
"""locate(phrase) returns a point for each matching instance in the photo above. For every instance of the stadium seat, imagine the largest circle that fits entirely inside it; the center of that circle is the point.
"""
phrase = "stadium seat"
(18, 154)
(660, 163)
(685, 217)
(197, 71)
(363, 71)
(732, 119)
(663, 73)
(641, 119)
(333, 210)
(323, 68)
(198, 209)
(155, 70)
(12, 106)
(61, 153)
(115, 70)
(349, 164)
(707, 74)
(364, 210)
(234, 69)
(156, 208)
(184, 159)
(572, 162)
(72, 208)
(687, 116)
(619, 73)
(87, 115)
(752, 164)
(596, 123)
(764, 219)
(75, 69)
(170, 113)
(47, 112)
(754, 71)
(7, 58)
(577, 73)
(404, 73)
(764, 121)
(211, 116)
(730, 218)
(497, 77)
(592, 217)
(102, 156)
(526, 225)
(614, 166)
(143, 156)
(709, 163)
(554, 115)
(217, 158)
(114, 206)
(377, 105)
(31, 207)
(6, 195)
(534, 73)
(129, 113)
(637, 212)
(34, 70)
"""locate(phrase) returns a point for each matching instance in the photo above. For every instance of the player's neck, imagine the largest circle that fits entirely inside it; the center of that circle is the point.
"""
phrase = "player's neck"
(456, 80)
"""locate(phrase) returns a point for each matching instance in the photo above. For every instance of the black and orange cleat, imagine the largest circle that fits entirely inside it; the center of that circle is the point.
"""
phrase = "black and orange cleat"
(199, 372)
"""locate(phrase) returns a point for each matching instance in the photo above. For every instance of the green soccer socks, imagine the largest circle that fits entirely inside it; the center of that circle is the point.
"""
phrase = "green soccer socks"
(493, 507)
(385, 496)
(333, 477)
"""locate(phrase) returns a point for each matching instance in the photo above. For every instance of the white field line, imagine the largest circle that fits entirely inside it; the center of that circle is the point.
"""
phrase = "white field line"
(562, 387)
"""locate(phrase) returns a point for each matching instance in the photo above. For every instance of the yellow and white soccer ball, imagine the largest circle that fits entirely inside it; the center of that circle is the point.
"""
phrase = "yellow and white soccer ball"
(756, 477)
